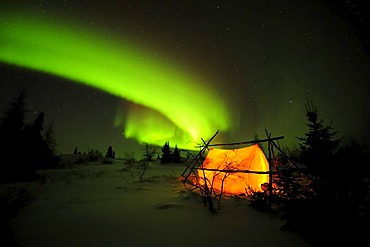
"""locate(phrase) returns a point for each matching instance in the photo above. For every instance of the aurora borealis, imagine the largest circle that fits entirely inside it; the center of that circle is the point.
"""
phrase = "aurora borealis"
(176, 71)
(120, 71)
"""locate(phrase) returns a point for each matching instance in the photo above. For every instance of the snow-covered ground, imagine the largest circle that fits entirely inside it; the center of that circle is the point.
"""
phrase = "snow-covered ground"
(101, 205)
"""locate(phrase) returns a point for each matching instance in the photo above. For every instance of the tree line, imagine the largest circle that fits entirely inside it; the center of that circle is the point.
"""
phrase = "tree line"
(24, 147)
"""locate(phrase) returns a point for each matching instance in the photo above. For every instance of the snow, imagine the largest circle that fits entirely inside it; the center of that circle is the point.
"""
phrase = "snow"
(101, 205)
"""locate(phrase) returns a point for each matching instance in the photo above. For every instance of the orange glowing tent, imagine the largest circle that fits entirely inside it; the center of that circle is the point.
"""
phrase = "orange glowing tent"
(234, 171)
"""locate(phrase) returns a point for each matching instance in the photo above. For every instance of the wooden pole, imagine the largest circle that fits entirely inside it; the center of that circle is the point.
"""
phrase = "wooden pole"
(235, 171)
(196, 157)
(269, 145)
(247, 142)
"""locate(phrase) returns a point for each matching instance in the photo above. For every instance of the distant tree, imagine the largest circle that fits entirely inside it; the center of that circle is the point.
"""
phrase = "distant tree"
(24, 147)
(49, 137)
(129, 159)
(149, 151)
(75, 150)
(166, 153)
(93, 155)
(35, 146)
(12, 127)
(12, 142)
(12, 122)
(38, 124)
(176, 155)
(50, 145)
(110, 153)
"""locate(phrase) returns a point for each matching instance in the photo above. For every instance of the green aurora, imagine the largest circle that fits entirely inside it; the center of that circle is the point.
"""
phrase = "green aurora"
(168, 104)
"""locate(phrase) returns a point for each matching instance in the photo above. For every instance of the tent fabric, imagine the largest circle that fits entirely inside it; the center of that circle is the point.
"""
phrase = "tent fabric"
(249, 158)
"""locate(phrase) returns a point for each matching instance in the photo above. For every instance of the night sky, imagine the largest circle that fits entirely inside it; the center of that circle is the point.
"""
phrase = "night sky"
(239, 66)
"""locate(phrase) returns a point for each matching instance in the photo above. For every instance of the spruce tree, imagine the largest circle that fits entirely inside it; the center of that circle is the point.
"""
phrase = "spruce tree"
(34, 144)
(109, 153)
(318, 148)
(333, 190)
(166, 153)
(12, 127)
(176, 155)
(23, 146)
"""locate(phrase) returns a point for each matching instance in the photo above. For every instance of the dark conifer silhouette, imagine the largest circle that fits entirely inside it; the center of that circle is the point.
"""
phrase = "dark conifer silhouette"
(35, 145)
(318, 147)
(13, 118)
(50, 144)
(176, 155)
(12, 145)
(333, 190)
(166, 153)
(23, 146)
(12, 126)
(110, 153)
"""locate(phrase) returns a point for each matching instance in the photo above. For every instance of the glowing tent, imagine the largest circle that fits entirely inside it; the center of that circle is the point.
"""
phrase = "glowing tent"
(235, 171)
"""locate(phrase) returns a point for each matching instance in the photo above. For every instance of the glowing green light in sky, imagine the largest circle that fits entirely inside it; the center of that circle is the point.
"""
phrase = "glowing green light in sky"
(182, 107)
